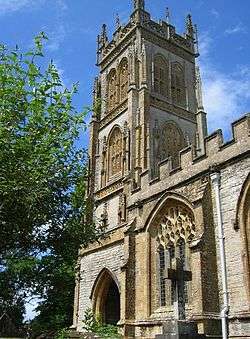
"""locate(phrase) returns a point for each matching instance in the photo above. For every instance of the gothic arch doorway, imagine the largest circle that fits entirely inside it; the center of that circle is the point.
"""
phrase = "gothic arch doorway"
(106, 298)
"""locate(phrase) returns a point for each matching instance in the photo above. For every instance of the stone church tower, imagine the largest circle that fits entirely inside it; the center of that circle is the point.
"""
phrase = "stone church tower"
(173, 202)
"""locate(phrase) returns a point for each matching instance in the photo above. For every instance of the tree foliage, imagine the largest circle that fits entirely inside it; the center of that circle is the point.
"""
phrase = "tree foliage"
(42, 187)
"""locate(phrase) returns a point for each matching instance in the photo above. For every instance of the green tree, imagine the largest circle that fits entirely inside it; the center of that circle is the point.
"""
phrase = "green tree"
(42, 187)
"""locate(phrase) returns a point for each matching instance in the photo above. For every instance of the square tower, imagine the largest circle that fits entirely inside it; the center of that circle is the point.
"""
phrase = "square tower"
(148, 111)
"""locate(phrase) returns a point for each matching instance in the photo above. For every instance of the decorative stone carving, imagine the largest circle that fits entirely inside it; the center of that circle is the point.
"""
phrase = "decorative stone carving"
(123, 80)
(111, 189)
(115, 152)
(176, 224)
(126, 148)
(161, 75)
(178, 88)
(114, 114)
(122, 208)
(104, 163)
(168, 142)
(104, 216)
(138, 138)
(112, 89)
(166, 106)
(166, 44)
(139, 4)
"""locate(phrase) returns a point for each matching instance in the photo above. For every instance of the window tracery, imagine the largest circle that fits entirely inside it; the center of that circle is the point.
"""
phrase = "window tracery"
(161, 75)
(175, 229)
(115, 152)
(176, 225)
(178, 88)
(112, 89)
(123, 79)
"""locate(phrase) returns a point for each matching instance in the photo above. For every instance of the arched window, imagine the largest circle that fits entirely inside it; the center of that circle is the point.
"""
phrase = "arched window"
(178, 85)
(115, 152)
(161, 76)
(175, 229)
(123, 79)
(112, 92)
(168, 141)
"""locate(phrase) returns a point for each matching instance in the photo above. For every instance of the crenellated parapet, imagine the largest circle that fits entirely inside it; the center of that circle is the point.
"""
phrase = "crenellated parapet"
(217, 154)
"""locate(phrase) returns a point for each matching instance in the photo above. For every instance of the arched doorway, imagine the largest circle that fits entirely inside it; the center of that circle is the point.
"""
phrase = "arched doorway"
(112, 305)
(106, 298)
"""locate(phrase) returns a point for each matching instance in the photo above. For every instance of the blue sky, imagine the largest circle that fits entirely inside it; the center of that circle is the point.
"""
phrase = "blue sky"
(72, 26)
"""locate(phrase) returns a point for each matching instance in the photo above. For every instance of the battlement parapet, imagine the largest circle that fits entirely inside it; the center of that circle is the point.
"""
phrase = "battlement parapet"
(217, 153)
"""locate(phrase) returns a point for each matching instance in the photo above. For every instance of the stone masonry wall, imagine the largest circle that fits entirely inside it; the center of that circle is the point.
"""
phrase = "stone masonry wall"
(91, 265)
(232, 179)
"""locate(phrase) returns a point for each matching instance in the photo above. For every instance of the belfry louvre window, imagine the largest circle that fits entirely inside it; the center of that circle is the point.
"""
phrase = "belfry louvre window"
(123, 79)
(160, 76)
(178, 88)
(112, 92)
(115, 152)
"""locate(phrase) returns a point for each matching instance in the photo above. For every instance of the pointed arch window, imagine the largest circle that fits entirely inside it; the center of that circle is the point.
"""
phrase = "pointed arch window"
(123, 79)
(112, 89)
(161, 75)
(115, 152)
(178, 88)
(168, 141)
(176, 229)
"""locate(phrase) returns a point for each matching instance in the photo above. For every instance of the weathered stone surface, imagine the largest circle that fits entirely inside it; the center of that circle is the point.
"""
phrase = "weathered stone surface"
(147, 205)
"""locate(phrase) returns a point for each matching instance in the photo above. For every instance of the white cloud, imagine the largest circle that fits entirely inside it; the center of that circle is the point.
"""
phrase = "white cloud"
(236, 29)
(226, 95)
(205, 45)
(56, 38)
(62, 5)
(215, 13)
(8, 6)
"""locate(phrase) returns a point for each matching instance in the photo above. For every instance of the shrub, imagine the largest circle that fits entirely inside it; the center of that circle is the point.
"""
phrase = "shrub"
(94, 324)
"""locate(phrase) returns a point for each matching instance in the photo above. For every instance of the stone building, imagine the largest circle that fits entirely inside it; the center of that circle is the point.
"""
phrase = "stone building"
(173, 201)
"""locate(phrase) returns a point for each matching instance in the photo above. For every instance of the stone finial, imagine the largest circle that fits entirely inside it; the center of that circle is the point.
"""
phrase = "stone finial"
(196, 42)
(199, 95)
(104, 143)
(168, 15)
(139, 4)
(95, 90)
(104, 35)
(189, 26)
(117, 21)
